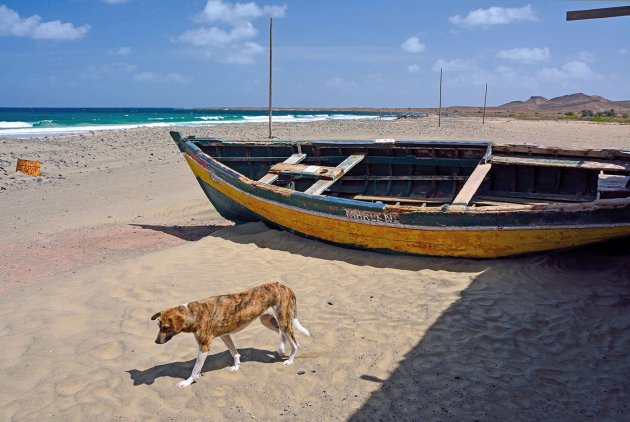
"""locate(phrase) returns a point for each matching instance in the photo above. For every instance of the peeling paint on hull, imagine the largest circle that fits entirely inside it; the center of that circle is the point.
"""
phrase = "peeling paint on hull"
(431, 232)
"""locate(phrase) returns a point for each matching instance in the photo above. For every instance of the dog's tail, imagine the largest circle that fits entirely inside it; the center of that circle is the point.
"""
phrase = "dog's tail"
(300, 328)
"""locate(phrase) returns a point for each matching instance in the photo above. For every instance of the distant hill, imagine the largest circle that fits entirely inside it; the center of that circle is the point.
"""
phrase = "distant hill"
(565, 103)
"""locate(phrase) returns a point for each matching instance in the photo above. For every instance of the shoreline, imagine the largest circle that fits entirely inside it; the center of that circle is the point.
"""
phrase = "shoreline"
(116, 228)
(25, 130)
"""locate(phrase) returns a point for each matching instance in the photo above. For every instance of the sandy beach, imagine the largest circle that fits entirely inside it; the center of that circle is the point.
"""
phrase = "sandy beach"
(116, 228)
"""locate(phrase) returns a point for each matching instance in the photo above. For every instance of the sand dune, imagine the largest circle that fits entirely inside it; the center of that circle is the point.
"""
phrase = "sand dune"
(87, 257)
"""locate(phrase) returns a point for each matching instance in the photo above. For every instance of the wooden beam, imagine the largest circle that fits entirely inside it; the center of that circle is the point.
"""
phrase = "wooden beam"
(588, 164)
(405, 178)
(321, 185)
(408, 160)
(606, 12)
(472, 185)
(269, 178)
(306, 170)
(401, 199)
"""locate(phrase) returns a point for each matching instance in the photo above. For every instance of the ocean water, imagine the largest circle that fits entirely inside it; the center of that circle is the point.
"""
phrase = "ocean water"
(29, 122)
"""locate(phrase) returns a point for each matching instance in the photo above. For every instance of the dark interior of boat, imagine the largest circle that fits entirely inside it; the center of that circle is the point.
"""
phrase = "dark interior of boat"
(430, 173)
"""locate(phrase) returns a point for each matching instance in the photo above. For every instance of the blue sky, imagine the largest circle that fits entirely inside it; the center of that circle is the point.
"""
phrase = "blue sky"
(351, 53)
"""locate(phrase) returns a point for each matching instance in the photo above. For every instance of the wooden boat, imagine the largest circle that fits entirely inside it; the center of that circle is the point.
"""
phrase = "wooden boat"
(442, 198)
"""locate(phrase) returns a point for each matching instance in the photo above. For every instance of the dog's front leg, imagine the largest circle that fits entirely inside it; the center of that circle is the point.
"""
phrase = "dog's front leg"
(196, 372)
(230, 345)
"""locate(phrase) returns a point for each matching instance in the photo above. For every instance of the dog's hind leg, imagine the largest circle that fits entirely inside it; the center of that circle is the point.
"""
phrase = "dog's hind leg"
(270, 320)
(196, 372)
(235, 355)
(286, 329)
(294, 346)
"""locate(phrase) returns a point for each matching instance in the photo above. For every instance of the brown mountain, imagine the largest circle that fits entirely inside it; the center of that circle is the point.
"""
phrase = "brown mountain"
(572, 102)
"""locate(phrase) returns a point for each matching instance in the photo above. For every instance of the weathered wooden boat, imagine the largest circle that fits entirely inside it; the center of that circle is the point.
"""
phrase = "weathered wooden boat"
(442, 198)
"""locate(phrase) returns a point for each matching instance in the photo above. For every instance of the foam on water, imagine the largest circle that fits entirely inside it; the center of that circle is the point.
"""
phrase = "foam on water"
(69, 130)
(14, 125)
(211, 117)
(54, 122)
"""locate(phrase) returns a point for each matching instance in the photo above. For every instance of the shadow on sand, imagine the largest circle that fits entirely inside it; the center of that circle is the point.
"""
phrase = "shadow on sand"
(181, 370)
(268, 238)
(535, 337)
(188, 233)
(540, 338)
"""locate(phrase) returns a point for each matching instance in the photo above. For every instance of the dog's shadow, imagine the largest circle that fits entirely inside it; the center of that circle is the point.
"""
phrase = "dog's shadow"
(213, 363)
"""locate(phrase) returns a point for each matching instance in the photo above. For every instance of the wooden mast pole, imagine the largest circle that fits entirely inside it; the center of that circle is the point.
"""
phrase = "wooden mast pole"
(485, 98)
(270, 71)
(440, 109)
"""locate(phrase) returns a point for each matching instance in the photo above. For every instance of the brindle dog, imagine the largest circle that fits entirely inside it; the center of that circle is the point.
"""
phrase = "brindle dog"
(220, 316)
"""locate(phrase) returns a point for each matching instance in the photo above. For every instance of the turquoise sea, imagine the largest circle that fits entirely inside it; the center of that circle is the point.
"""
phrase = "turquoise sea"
(29, 122)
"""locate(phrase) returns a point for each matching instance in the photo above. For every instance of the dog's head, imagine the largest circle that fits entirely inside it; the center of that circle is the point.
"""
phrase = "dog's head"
(171, 323)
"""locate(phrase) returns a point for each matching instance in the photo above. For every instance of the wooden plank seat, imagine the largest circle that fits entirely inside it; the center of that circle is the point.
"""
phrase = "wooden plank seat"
(472, 185)
(345, 166)
(271, 177)
(322, 172)
(326, 175)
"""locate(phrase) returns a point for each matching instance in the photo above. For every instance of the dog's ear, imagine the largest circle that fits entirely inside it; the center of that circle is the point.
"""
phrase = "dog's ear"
(177, 322)
(156, 316)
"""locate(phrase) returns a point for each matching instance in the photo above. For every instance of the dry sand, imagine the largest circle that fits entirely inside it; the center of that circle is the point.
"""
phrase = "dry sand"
(116, 228)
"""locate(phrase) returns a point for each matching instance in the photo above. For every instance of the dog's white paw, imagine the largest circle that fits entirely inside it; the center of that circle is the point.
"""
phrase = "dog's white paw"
(184, 384)
(234, 368)
(287, 362)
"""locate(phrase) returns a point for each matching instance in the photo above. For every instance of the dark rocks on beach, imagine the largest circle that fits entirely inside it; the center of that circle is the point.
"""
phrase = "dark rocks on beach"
(414, 115)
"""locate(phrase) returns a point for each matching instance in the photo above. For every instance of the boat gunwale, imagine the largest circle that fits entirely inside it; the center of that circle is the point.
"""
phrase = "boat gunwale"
(597, 204)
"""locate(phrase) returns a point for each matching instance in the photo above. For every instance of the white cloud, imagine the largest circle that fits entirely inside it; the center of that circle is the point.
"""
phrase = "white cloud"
(525, 55)
(122, 51)
(218, 37)
(246, 54)
(227, 32)
(11, 24)
(414, 68)
(571, 70)
(221, 11)
(495, 16)
(413, 45)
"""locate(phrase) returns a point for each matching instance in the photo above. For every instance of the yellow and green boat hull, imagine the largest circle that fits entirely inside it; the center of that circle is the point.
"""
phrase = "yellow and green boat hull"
(471, 233)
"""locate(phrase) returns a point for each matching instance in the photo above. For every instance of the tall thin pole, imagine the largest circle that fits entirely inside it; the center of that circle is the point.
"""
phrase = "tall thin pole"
(485, 97)
(440, 109)
(270, 71)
